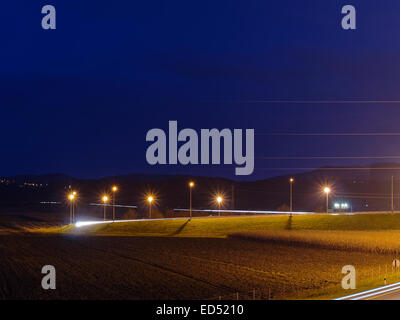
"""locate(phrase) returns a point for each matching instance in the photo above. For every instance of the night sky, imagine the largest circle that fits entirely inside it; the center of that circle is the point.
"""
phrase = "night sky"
(80, 99)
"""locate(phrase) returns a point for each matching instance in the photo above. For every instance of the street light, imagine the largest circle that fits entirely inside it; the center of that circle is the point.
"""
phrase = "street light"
(114, 190)
(73, 205)
(191, 186)
(71, 198)
(291, 180)
(327, 190)
(105, 200)
(150, 200)
(219, 201)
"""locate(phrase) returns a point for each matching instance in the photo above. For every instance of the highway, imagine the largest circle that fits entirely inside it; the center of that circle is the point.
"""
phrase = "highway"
(388, 292)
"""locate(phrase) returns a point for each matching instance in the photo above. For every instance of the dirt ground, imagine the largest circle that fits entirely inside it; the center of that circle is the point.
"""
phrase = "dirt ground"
(92, 267)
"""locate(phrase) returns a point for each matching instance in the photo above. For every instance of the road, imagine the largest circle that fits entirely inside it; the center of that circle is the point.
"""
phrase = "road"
(389, 292)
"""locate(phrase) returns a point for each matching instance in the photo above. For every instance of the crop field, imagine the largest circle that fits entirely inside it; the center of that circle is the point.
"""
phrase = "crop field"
(268, 257)
(386, 242)
(11, 222)
(172, 268)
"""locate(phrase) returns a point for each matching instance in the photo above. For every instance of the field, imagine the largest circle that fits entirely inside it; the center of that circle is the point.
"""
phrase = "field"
(221, 227)
(273, 257)
(171, 268)
(385, 242)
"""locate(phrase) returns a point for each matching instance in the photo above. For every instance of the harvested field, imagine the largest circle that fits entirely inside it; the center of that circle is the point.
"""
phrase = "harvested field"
(385, 242)
(171, 268)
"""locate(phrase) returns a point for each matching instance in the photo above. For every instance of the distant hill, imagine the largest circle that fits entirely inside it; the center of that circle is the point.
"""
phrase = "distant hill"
(365, 189)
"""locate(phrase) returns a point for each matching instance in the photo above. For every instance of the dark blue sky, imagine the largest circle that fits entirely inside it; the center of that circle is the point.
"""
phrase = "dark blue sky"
(80, 99)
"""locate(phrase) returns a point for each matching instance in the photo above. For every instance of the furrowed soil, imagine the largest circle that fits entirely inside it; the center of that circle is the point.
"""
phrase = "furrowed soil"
(98, 267)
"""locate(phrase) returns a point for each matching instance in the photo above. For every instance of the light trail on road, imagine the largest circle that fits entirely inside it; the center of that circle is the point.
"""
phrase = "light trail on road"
(247, 211)
(88, 223)
(382, 293)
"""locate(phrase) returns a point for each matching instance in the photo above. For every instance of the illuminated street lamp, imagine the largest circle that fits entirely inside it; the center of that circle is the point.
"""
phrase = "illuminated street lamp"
(114, 190)
(105, 200)
(191, 186)
(291, 180)
(327, 190)
(219, 201)
(71, 198)
(150, 200)
(73, 205)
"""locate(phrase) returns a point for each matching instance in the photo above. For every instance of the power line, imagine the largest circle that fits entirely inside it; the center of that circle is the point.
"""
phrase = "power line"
(327, 157)
(288, 101)
(337, 194)
(329, 134)
(328, 168)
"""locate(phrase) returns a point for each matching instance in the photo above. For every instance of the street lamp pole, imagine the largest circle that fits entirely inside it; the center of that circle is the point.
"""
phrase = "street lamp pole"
(327, 190)
(150, 200)
(327, 202)
(73, 206)
(70, 212)
(191, 185)
(291, 180)
(114, 189)
(71, 197)
(105, 199)
(219, 201)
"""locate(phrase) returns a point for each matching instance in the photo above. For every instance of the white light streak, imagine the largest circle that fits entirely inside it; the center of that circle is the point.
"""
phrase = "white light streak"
(372, 292)
(247, 211)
